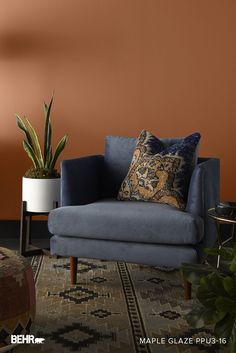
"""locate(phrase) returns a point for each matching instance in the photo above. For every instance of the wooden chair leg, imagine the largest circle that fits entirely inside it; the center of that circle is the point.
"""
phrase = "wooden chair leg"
(73, 269)
(187, 290)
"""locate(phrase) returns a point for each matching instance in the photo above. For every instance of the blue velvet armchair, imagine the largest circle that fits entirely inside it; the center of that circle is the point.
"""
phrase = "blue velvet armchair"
(91, 222)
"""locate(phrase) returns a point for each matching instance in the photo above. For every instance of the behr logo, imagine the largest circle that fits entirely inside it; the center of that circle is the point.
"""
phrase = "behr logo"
(26, 339)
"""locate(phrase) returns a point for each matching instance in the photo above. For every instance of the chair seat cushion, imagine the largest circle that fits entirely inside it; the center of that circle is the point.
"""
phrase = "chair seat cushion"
(142, 222)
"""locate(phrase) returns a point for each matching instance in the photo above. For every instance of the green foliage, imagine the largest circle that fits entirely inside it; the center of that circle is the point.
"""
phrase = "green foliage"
(43, 163)
(216, 294)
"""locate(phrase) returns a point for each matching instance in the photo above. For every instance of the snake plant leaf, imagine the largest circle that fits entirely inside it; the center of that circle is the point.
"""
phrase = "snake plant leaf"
(30, 152)
(22, 126)
(48, 152)
(37, 147)
(60, 147)
(49, 158)
(47, 132)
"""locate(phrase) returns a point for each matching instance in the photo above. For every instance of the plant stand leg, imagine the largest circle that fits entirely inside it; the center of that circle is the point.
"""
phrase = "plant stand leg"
(187, 290)
(28, 230)
(73, 269)
(23, 229)
(26, 248)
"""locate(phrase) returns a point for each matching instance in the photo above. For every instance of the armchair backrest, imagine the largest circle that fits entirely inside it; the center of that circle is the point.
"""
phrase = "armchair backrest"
(118, 154)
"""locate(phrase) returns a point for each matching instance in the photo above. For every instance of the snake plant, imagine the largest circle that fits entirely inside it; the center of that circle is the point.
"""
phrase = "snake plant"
(43, 161)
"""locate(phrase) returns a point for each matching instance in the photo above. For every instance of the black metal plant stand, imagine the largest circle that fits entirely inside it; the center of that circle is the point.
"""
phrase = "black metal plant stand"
(26, 247)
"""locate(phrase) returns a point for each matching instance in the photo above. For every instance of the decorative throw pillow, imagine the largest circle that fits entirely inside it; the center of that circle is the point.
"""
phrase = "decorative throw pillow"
(158, 173)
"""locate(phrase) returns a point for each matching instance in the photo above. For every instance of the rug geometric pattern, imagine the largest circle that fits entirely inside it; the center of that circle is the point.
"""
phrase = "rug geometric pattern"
(112, 305)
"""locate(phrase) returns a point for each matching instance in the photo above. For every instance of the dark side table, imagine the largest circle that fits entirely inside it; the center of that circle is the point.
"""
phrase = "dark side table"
(26, 247)
(219, 220)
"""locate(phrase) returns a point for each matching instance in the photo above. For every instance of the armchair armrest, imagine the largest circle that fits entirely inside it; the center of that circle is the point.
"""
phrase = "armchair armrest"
(204, 186)
(195, 201)
(204, 192)
(81, 180)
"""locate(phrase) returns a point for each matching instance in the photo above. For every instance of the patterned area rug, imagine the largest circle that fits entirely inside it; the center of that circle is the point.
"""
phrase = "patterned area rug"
(110, 308)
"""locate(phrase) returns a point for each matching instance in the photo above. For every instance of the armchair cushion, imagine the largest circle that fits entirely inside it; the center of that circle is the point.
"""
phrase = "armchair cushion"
(118, 155)
(160, 174)
(141, 222)
(117, 158)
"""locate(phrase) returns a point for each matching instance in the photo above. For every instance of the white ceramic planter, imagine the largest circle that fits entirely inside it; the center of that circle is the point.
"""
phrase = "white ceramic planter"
(40, 193)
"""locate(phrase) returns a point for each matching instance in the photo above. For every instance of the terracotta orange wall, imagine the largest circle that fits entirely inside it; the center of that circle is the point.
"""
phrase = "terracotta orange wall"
(117, 66)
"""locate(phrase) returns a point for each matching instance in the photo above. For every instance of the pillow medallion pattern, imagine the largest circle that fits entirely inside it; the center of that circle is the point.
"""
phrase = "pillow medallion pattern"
(158, 173)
